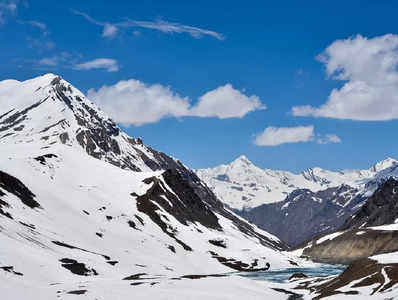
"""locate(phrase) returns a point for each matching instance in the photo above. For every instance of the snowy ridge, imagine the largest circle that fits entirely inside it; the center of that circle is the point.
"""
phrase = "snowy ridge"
(242, 185)
(48, 110)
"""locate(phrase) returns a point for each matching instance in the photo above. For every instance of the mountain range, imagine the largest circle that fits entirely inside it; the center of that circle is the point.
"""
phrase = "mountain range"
(295, 207)
(88, 211)
(242, 186)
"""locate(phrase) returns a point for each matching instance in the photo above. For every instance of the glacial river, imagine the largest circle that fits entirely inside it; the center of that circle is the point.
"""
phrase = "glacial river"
(284, 274)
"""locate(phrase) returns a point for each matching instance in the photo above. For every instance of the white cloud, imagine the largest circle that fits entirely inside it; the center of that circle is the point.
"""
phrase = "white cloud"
(274, 136)
(110, 29)
(329, 138)
(226, 102)
(109, 64)
(369, 67)
(133, 102)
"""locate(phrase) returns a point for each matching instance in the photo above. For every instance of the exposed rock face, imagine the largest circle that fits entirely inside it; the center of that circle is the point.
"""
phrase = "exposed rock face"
(380, 209)
(352, 245)
(12, 185)
(187, 207)
(364, 274)
(360, 237)
(305, 214)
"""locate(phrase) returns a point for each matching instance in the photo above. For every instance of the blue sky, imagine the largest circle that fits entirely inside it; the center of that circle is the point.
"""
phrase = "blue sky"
(256, 52)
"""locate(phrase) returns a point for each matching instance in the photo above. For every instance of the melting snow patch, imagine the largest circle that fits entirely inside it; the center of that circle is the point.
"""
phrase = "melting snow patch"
(329, 237)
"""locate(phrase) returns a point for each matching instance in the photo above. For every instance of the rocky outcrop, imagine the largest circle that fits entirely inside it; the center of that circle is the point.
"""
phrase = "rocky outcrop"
(365, 274)
(380, 209)
(305, 214)
(184, 203)
(359, 236)
(351, 246)
(12, 185)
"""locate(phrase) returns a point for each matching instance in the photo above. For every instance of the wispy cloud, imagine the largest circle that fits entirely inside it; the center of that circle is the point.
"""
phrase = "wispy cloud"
(7, 8)
(63, 59)
(41, 45)
(111, 29)
(37, 24)
(111, 65)
(169, 27)
(49, 61)
(328, 138)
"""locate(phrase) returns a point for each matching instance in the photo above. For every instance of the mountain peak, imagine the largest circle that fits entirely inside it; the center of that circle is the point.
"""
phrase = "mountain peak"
(47, 111)
(384, 164)
(50, 76)
(242, 159)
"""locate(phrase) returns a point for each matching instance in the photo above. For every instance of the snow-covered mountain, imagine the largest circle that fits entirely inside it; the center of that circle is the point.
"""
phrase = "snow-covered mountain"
(372, 230)
(242, 185)
(368, 241)
(305, 214)
(86, 209)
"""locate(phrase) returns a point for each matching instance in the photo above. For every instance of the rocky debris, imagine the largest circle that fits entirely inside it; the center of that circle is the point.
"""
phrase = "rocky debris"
(239, 265)
(296, 276)
(14, 186)
(42, 158)
(363, 273)
(77, 292)
(4, 204)
(77, 268)
(199, 276)
(16, 118)
(10, 269)
(61, 244)
(218, 242)
(135, 276)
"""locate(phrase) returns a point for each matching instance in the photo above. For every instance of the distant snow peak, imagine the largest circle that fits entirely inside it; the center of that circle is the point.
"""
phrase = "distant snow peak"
(242, 185)
(316, 175)
(242, 160)
(384, 164)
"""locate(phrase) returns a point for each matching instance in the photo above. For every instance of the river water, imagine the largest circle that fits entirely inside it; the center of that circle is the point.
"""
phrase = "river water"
(283, 275)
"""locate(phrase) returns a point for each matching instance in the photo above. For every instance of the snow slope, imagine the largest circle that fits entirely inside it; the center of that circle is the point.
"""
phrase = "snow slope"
(87, 210)
(242, 185)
